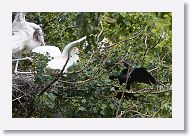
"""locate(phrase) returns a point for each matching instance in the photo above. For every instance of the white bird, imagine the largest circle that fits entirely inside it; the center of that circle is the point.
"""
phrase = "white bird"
(55, 65)
(52, 51)
(25, 37)
(20, 23)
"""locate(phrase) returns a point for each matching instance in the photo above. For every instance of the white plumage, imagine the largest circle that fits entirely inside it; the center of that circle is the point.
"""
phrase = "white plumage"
(59, 59)
(52, 51)
(20, 23)
(25, 37)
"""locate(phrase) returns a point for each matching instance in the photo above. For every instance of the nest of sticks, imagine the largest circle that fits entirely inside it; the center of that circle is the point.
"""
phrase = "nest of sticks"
(23, 90)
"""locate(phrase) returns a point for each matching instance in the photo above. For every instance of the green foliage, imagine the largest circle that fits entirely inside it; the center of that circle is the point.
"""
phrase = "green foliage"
(39, 64)
(145, 39)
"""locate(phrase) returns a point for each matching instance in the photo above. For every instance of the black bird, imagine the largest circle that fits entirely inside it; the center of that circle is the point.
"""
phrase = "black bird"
(140, 75)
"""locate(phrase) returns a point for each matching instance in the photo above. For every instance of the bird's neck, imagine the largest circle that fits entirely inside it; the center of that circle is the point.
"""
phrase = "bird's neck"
(68, 48)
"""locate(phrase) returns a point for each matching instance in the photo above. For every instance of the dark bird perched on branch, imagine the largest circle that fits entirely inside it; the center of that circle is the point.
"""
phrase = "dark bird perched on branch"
(140, 75)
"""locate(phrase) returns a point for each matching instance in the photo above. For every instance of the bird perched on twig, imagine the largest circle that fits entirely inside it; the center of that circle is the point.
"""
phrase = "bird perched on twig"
(25, 37)
(55, 65)
(140, 75)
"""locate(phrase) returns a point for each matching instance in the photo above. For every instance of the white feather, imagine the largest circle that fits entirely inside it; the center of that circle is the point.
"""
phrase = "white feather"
(55, 65)
(52, 51)
(22, 36)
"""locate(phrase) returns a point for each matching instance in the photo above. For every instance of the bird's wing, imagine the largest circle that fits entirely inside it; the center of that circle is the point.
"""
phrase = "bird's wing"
(52, 51)
(33, 25)
(57, 63)
(20, 36)
(70, 46)
(141, 75)
(18, 41)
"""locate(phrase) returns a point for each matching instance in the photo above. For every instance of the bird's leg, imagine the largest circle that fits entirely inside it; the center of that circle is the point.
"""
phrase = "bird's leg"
(15, 71)
(16, 67)
(24, 72)
(26, 58)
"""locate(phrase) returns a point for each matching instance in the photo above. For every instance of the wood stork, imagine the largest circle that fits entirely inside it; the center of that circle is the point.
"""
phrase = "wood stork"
(25, 37)
(55, 65)
(140, 75)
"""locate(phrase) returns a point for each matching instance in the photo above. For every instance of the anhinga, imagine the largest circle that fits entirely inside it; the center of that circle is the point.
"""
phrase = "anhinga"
(140, 75)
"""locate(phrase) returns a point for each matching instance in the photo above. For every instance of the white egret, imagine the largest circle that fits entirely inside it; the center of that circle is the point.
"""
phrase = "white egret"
(55, 65)
(25, 37)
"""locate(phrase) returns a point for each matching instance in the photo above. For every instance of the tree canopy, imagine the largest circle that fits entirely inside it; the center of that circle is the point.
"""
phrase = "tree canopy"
(142, 38)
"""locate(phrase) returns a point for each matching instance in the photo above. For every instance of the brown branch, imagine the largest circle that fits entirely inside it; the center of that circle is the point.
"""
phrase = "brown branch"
(102, 29)
(55, 79)
(145, 48)
(145, 91)
(138, 113)
(120, 102)
(156, 112)
(48, 85)
(121, 114)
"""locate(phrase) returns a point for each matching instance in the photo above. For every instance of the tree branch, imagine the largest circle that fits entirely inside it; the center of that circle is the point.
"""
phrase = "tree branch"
(120, 102)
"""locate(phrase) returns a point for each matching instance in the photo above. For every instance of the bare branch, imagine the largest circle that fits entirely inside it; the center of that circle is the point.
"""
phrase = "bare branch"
(102, 29)
(120, 102)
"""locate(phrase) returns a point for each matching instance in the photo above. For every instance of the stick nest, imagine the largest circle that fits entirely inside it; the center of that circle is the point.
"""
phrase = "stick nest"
(23, 90)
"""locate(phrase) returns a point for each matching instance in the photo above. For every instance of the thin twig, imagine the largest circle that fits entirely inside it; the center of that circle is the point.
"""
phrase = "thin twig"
(157, 112)
(127, 39)
(120, 102)
(102, 29)
(121, 114)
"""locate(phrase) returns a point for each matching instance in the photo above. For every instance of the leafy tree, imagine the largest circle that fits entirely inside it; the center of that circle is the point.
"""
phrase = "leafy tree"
(144, 39)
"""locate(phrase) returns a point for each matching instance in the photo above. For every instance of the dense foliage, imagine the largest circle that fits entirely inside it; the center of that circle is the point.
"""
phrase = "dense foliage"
(144, 39)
